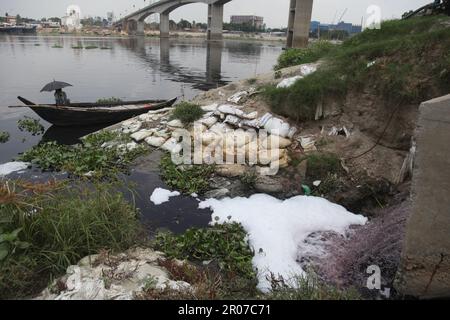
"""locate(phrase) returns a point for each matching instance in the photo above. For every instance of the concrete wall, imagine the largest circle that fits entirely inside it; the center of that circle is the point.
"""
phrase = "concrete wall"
(425, 267)
(300, 12)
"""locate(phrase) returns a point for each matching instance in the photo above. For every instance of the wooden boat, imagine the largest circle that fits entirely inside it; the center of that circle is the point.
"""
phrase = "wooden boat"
(88, 114)
(18, 29)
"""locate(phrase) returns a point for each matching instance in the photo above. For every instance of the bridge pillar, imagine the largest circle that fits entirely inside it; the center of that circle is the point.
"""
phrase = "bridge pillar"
(164, 25)
(140, 28)
(215, 21)
(300, 12)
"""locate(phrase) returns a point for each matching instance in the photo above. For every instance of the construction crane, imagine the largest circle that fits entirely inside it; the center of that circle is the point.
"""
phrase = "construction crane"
(342, 16)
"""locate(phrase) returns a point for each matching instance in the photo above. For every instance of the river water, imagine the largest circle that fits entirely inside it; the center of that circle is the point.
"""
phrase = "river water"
(130, 69)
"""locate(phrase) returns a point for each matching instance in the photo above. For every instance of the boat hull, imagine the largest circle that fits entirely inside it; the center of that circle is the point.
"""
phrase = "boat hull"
(18, 30)
(79, 116)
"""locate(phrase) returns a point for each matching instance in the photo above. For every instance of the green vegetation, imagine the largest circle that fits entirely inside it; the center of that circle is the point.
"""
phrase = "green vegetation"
(91, 47)
(293, 57)
(310, 287)
(192, 179)
(44, 228)
(105, 48)
(4, 137)
(187, 112)
(252, 81)
(37, 44)
(102, 155)
(31, 125)
(406, 61)
(224, 246)
(78, 46)
(320, 165)
(248, 179)
(57, 46)
(109, 100)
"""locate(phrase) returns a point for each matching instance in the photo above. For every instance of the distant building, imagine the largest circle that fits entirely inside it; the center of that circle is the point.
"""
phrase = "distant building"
(351, 29)
(72, 19)
(50, 24)
(254, 21)
(110, 17)
(11, 20)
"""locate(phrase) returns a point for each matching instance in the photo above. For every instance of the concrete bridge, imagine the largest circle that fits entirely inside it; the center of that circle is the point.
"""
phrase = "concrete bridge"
(298, 25)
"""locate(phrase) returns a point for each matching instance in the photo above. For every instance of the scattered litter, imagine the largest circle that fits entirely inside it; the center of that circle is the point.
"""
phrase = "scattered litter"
(308, 143)
(307, 69)
(10, 167)
(371, 64)
(317, 183)
(279, 228)
(342, 131)
(161, 196)
(238, 96)
(288, 82)
(306, 190)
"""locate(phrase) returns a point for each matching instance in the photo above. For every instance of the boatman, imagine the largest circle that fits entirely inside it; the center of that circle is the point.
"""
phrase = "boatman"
(61, 98)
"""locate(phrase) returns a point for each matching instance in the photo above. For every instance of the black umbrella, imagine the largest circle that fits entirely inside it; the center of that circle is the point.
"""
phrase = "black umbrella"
(55, 85)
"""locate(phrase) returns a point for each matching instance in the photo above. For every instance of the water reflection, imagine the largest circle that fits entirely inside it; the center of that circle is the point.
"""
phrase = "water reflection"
(68, 135)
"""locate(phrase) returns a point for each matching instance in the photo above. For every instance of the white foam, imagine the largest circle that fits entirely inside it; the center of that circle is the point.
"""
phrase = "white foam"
(277, 229)
(160, 196)
(11, 167)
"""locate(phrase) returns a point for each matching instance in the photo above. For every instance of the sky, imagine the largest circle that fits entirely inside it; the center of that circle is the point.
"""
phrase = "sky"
(275, 12)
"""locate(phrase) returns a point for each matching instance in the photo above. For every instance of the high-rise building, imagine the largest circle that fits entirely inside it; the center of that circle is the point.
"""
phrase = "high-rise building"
(254, 21)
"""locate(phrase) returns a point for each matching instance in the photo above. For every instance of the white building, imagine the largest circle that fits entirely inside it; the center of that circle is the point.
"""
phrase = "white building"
(72, 19)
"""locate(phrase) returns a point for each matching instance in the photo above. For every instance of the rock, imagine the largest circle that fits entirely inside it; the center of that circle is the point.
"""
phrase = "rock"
(210, 108)
(142, 135)
(112, 277)
(175, 124)
(172, 146)
(231, 171)
(238, 96)
(208, 121)
(268, 184)
(217, 193)
(155, 141)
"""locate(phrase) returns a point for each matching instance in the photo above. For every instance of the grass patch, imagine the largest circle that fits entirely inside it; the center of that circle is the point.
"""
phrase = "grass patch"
(57, 46)
(251, 81)
(187, 112)
(109, 100)
(294, 57)
(104, 153)
(79, 46)
(105, 48)
(406, 61)
(4, 137)
(91, 47)
(51, 226)
(224, 246)
(309, 287)
(192, 179)
(321, 165)
(31, 125)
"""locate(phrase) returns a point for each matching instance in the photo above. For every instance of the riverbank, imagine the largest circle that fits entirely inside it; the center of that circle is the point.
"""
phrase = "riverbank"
(106, 33)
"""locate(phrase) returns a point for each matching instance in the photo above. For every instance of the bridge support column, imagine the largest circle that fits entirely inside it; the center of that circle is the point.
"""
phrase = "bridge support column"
(300, 12)
(215, 21)
(140, 28)
(164, 25)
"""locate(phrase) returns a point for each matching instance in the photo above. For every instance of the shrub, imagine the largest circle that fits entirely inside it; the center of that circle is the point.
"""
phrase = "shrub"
(193, 179)
(187, 112)
(31, 125)
(92, 155)
(55, 225)
(4, 136)
(321, 165)
(293, 57)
